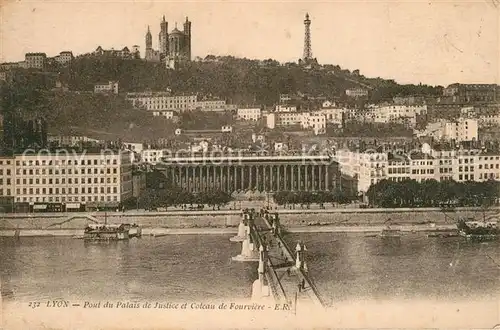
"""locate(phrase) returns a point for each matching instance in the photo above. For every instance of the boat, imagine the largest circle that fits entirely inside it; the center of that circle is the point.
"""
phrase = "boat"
(134, 230)
(105, 232)
(478, 230)
(111, 232)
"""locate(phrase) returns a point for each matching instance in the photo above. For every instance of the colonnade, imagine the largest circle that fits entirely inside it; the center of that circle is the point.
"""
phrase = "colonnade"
(266, 177)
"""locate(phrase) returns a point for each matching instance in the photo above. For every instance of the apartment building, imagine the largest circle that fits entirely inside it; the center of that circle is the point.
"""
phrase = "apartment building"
(333, 116)
(100, 179)
(249, 113)
(69, 140)
(315, 121)
(64, 57)
(463, 129)
(458, 165)
(211, 105)
(161, 101)
(35, 60)
(473, 92)
(153, 156)
(168, 114)
(7, 177)
(356, 92)
(285, 108)
(110, 87)
(406, 114)
(276, 119)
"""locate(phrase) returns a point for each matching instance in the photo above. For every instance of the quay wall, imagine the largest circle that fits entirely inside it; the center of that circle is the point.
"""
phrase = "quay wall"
(231, 218)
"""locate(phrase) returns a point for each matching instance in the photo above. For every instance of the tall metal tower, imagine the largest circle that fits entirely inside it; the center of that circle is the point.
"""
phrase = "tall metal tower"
(307, 39)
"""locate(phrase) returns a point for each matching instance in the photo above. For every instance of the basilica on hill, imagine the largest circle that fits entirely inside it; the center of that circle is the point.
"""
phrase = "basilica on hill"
(174, 47)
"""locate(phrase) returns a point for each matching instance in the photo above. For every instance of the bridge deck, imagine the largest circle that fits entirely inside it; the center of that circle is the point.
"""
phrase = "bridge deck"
(282, 263)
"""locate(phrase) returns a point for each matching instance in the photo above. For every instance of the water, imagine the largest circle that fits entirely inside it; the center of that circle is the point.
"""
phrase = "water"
(354, 267)
(171, 268)
(345, 267)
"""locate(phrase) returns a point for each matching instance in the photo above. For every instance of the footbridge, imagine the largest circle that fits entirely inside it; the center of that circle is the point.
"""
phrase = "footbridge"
(283, 274)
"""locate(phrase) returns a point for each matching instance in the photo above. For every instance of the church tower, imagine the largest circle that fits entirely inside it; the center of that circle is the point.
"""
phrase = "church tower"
(163, 36)
(149, 40)
(187, 33)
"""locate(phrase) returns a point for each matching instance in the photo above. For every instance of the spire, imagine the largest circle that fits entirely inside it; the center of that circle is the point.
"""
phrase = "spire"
(176, 25)
(163, 18)
(149, 30)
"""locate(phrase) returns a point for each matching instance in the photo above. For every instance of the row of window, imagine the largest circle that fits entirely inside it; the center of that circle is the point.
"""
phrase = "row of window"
(67, 199)
(68, 162)
(63, 171)
(57, 191)
(63, 181)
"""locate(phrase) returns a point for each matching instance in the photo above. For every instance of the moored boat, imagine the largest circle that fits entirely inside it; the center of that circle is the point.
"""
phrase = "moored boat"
(105, 232)
(134, 230)
(478, 230)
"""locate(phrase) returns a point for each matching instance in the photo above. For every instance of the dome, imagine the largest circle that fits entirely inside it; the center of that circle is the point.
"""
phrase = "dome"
(175, 31)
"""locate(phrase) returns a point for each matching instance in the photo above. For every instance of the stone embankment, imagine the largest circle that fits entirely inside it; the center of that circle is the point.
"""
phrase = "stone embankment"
(340, 218)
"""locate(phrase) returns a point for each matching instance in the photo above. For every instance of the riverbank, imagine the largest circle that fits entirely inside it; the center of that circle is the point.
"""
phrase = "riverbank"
(159, 232)
(231, 218)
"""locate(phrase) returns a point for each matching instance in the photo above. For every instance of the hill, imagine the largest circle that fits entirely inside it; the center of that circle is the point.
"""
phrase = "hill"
(240, 81)
(108, 117)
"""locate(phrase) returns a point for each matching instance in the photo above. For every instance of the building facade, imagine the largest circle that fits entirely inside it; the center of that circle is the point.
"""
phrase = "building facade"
(458, 165)
(110, 87)
(356, 92)
(396, 114)
(64, 57)
(253, 114)
(272, 173)
(158, 101)
(333, 116)
(473, 92)
(67, 178)
(35, 60)
(461, 130)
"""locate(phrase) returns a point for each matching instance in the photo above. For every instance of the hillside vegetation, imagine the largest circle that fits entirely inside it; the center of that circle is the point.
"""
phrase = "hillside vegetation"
(111, 117)
(240, 81)
(108, 117)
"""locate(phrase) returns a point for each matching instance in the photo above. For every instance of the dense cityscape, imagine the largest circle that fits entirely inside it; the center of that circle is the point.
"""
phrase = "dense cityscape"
(443, 134)
(389, 185)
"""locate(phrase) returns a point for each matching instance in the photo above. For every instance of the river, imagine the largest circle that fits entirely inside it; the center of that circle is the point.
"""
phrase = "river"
(345, 267)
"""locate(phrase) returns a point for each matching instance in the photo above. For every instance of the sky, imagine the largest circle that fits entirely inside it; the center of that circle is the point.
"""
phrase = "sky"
(429, 42)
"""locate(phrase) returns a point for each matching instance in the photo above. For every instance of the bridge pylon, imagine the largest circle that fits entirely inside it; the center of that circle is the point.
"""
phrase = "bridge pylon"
(260, 288)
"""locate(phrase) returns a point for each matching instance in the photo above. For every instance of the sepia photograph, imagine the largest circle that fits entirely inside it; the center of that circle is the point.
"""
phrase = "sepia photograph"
(249, 164)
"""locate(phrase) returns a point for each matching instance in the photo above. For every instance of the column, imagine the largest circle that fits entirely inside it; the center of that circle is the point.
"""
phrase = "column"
(207, 178)
(221, 179)
(306, 177)
(320, 177)
(235, 178)
(271, 177)
(242, 185)
(257, 179)
(278, 179)
(327, 178)
(300, 184)
(292, 177)
(286, 176)
(214, 179)
(250, 183)
(313, 173)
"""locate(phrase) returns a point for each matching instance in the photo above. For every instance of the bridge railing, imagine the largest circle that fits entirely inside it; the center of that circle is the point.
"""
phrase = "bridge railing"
(275, 283)
(301, 271)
